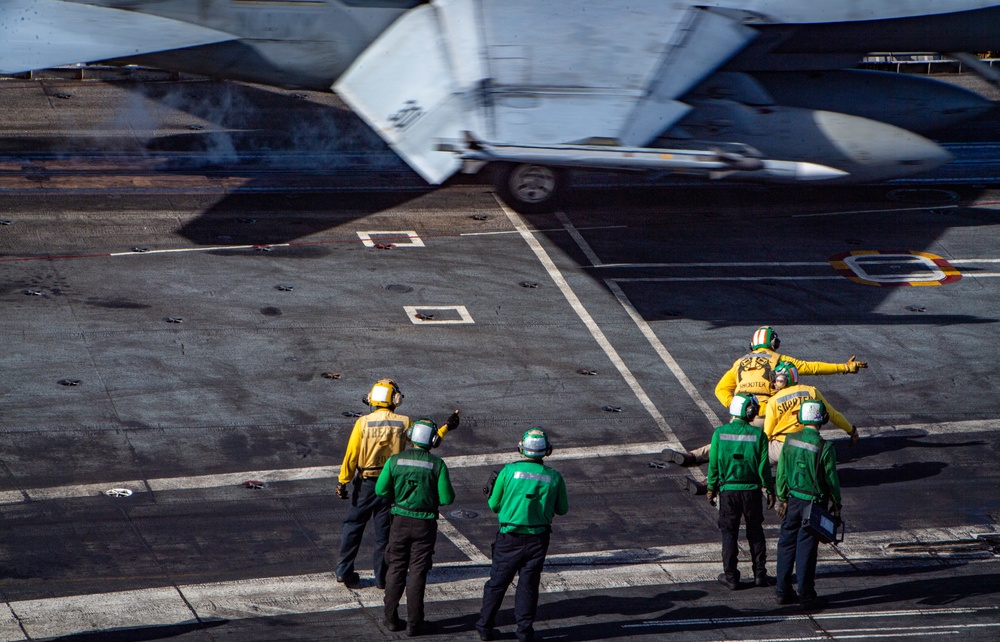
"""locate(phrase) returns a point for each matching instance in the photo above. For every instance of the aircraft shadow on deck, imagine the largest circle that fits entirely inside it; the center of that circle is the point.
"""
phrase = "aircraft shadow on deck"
(286, 144)
(283, 143)
(265, 219)
(226, 222)
(298, 155)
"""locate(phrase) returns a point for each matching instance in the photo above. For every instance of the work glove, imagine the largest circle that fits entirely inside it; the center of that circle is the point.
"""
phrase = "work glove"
(782, 509)
(711, 495)
(853, 365)
(770, 501)
(835, 511)
(342, 491)
(452, 422)
(854, 436)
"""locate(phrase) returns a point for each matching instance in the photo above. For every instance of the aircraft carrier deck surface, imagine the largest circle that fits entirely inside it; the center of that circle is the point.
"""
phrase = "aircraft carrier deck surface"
(200, 281)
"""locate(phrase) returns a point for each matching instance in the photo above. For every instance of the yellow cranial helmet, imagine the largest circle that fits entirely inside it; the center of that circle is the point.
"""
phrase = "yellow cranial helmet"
(384, 394)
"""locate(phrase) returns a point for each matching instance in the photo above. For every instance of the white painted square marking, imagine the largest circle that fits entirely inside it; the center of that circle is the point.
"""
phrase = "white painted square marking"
(413, 310)
(369, 238)
(914, 262)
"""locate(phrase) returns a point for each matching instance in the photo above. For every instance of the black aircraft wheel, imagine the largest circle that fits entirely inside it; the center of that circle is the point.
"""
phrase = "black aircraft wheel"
(527, 188)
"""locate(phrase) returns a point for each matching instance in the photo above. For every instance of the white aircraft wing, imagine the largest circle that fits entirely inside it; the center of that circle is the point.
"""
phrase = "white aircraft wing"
(534, 73)
(37, 34)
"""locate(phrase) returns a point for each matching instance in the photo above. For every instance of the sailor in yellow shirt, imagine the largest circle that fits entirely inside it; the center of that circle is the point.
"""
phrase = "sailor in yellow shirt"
(782, 417)
(375, 438)
(753, 374)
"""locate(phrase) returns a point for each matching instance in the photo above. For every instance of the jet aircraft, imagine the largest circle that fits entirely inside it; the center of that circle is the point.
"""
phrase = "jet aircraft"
(752, 90)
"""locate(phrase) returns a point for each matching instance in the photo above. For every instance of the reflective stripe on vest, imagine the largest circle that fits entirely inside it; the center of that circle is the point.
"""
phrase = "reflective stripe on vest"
(385, 423)
(749, 438)
(419, 463)
(795, 395)
(533, 476)
(801, 444)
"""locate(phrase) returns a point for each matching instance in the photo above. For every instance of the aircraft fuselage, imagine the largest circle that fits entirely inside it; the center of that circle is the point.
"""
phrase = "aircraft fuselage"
(310, 44)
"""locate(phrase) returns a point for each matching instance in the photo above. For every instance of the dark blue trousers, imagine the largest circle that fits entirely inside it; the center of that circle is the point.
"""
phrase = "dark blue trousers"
(365, 505)
(796, 553)
(524, 556)
(734, 504)
(409, 557)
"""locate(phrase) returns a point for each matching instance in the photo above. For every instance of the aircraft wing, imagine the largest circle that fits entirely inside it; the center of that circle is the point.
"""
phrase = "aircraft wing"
(534, 73)
(36, 34)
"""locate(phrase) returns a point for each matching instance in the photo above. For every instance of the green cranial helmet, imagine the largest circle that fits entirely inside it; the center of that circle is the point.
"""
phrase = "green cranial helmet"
(744, 406)
(535, 444)
(788, 370)
(812, 412)
(423, 434)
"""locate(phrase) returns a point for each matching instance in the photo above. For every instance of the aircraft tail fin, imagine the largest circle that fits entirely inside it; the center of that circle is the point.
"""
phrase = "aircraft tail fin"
(412, 85)
(534, 73)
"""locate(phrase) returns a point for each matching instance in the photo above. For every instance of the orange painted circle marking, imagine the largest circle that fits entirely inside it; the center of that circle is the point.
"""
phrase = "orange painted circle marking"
(926, 268)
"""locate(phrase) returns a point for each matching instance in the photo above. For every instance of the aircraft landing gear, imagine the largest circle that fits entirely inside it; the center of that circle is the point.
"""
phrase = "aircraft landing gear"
(527, 188)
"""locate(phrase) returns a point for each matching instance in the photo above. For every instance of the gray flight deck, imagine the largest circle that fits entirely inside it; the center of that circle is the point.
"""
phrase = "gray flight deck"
(189, 303)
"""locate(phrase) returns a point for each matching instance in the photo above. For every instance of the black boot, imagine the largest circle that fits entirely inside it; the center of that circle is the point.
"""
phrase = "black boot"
(730, 582)
(680, 458)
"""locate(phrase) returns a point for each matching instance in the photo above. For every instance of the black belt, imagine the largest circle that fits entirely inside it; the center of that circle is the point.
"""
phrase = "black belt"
(548, 529)
(525, 534)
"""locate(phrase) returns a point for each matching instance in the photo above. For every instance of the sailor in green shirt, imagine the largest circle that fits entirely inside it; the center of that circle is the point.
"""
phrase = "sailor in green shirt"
(417, 483)
(526, 496)
(807, 474)
(737, 471)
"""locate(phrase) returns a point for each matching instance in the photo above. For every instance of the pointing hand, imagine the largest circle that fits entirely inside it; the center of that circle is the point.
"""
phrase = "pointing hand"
(853, 365)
